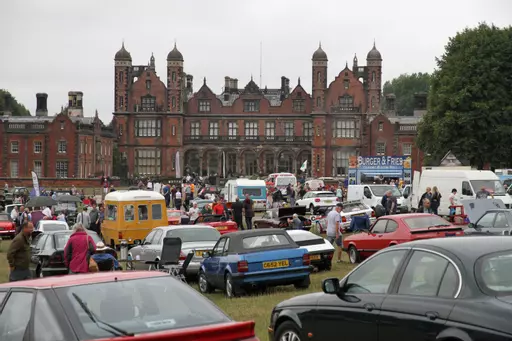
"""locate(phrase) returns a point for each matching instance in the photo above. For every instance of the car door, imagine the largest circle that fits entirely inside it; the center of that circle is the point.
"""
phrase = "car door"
(145, 254)
(354, 312)
(421, 302)
(376, 240)
(483, 226)
(35, 249)
(214, 263)
(501, 223)
(154, 250)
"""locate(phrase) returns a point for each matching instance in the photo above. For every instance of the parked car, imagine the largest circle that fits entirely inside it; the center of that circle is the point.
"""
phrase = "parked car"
(7, 226)
(436, 289)
(194, 238)
(319, 249)
(350, 209)
(8, 208)
(493, 222)
(201, 203)
(218, 221)
(278, 218)
(251, 259)
(396, 229)
(51, 225)
(47, 251)
(314, 199)
(115, 306)
(174, 217)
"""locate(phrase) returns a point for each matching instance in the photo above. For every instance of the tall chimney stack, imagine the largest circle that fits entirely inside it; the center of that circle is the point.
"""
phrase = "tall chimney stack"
(75, 103)
(227, 83)
(42, 104)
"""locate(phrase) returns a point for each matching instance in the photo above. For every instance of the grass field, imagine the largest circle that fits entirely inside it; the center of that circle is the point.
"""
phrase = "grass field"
(253, 307)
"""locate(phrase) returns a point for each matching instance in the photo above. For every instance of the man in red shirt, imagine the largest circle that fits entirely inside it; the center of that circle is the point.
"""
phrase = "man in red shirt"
(219, 208)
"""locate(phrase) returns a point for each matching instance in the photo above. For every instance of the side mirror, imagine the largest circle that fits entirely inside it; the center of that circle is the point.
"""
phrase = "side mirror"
(406, 196)
(471, 226)
(206, 254)
(137, 242)
(331, 286)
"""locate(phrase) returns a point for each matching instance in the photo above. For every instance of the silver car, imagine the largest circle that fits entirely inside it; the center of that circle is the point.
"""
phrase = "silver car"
(194, 238)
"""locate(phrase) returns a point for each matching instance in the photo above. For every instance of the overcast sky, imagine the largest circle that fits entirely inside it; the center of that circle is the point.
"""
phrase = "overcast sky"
(55, 46)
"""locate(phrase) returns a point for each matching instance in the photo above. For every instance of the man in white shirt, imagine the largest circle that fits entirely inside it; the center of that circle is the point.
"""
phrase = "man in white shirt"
(334, 228)
(453, 201)
(47, 212)
(177, 199)
(14, 213)
(84, 218)
(193, 213)
(150, 185)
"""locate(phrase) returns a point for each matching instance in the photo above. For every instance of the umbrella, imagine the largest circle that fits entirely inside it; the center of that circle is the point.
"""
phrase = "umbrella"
(41, 202)
(68, 198)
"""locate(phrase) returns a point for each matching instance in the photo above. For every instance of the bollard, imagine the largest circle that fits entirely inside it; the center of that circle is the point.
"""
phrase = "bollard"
(124, 249)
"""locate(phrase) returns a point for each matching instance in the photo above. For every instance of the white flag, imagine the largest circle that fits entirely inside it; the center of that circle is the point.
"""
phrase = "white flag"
(304, 166)
(178, 165)
(35, 183)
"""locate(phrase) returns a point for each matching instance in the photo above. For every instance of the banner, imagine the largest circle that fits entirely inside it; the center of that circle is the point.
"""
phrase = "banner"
(35, 183)
(371, 167)
(178, 166)
(304, 166)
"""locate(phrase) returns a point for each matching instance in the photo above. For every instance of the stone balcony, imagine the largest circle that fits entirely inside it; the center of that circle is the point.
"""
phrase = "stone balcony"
(343, 109)
(247, 139)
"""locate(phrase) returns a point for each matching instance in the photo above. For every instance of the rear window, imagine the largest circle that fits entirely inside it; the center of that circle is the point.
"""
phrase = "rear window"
(195, 234)
(253, 192)
(424, 222)
(325, 194)
(268, 240)
(62, 238)
(285, 180)
(494, 273)
(4, 217)
(144, 305)
(173, 214)
(354, 207)
(379, 191)
(53, 227)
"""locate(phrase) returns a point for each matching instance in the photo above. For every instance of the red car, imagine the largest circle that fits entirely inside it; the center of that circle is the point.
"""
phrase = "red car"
(173, 217)
(7, 227)
(135, 305)
(218, 221)
(396, 229)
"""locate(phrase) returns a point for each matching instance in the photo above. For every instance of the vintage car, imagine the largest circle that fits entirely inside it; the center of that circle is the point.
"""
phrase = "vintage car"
(7, 226)
(278, 218)
(220, 222)
(252, 259)
(396, 229)
(350, 209)
(319, 249)
(173, 217)
(133, 305)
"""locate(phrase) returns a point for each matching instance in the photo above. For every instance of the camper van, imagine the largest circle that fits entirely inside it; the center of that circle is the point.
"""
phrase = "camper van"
(467, 182)
(241, 187)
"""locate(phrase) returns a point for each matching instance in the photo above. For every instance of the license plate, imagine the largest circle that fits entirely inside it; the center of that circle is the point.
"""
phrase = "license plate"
(200, 253)
(222, 227)
(450, 234)
(328, 201)
(276, 264)
(314, 257)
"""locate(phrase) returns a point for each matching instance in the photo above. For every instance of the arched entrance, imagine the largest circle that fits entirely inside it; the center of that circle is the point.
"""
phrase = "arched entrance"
(251, 163)
(192, 161)
(285, 162)
(268, 158)
(304, 155)
(229, 159)
(211, 156)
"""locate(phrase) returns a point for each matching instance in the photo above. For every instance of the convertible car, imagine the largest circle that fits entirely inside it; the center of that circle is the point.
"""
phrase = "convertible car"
(253, 259)
(218, 221)
(319, 249)
(350, 209)
(278, 218)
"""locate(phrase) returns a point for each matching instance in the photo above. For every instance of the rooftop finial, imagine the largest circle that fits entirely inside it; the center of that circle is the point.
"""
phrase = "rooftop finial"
(298, 81)
(373, 42)
(96, 113)
(346, 64)
(320, 44)
(204, 80)
(174, 43)
(251, 77)
(123, 43)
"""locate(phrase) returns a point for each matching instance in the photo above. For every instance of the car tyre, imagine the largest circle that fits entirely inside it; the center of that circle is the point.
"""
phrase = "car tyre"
(229, 287)
(39, 272)
(353, 255)
(203, 284)
(304, 284)
(311, 209)
(288, 331)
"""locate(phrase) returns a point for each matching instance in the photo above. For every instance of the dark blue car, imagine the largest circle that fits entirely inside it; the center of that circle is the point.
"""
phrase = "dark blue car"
(254, 259)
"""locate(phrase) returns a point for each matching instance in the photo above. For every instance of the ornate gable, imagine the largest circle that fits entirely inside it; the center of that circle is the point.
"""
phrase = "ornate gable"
(251, 88)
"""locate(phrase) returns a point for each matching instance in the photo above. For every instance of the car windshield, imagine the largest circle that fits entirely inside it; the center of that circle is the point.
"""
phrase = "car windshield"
(285, 180)
(252, 191)
(173, 214)
(47, 227)
(423, 222)
(62, 238)
(492, 186)
(267, 240)
(324, 194)
(137, 306)
(69, 206)
(4, 217)
(352, 207)
(495, 273)
(379, 191)
(194, 234)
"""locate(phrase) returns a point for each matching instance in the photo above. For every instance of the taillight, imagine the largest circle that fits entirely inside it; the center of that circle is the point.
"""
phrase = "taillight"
(182, 256)
(242, 266)
(317, 200)
(305, 259)
(330, 255)
(55, 258)
(373, 214)
(120, 235)
(343, 219)
(307, 222)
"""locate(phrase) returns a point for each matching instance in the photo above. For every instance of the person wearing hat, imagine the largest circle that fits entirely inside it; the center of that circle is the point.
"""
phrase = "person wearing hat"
(101, 256)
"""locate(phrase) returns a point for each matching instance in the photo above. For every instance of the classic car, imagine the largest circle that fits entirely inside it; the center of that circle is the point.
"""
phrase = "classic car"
(7, 226)
(278, 218)
(201, 203)
(51, 225)
(47, 252)
(194, 238)
(319, 249)
(350, 209)
(220, 222)
(141, 305)
(487, 217)
(8, 208)
(314, 199)
(438, 289)
(251, 259)
(174, 217)
(396, 229)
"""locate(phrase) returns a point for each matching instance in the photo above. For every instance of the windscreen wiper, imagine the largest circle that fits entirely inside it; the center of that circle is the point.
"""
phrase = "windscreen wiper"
(94, 318)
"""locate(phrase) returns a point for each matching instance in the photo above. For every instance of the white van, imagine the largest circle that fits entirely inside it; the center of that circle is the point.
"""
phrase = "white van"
(466, 182)
(241, 187)
(282, 181)
(372, 195)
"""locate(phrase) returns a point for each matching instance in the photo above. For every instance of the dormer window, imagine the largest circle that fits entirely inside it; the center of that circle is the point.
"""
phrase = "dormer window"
(346, 84)
(148, 103)
(204, 105)
(298, 105)
(251, 105)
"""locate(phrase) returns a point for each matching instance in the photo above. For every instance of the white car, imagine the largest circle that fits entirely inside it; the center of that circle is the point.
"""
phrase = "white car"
(314, 199)
(319, 249)
(350, 209)
(51, 225)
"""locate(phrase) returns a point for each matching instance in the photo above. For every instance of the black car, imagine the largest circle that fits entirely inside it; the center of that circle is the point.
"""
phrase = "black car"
(452, 289)
(47, 252)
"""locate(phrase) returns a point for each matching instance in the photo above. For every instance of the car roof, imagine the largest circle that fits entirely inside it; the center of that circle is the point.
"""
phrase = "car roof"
(65, 231)
(135, 195)
(410, 215)
(53, 222)
(318, 192)
(80, 279)
(180, 227)
(256, 232)
(468, 248)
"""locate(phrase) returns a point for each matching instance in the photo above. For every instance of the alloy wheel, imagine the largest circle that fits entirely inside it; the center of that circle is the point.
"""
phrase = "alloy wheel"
(203, 284)
(289, 336)
(353, 255)
(229, 287)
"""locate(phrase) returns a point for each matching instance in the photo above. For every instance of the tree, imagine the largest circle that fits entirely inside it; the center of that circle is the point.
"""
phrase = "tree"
(470, 99)
(404, 87)
(9, 103)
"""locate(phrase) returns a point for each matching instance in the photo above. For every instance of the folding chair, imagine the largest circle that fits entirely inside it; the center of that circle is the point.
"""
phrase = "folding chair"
(170, 256)
(182, 269)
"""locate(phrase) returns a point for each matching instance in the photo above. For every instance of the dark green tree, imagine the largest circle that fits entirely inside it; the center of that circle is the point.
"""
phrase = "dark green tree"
(404, 87)
(9, 103)
(470, 99)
